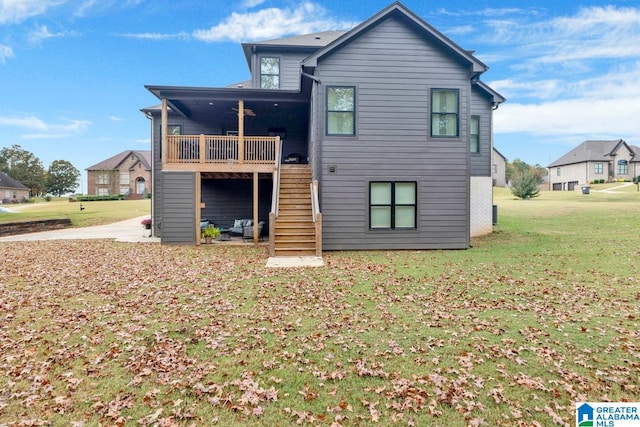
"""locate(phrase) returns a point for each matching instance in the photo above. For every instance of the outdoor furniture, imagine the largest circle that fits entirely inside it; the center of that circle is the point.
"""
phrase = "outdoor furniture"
(248, 232)
(224, 234)
(239, 225)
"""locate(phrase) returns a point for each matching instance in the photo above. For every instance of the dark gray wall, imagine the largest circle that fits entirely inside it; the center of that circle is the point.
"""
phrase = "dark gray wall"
(480, 106)
(178, 210)
(393, 69)
(229, 199)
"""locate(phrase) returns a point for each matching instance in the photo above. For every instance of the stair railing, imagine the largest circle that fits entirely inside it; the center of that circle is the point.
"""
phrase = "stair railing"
(275, 201)
(316, 216)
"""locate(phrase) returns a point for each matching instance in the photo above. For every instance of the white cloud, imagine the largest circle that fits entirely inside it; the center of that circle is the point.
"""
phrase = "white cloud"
(5, 53)
(13, 11)
(248, 4)
(272, 23)
(156, 36)
(116, 119)
(45, 130)
(43, 33)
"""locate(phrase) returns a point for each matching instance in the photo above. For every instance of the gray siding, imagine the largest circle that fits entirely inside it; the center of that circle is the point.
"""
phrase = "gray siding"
(178, 210)
(481, 162)
(393, 69)
(289, 68)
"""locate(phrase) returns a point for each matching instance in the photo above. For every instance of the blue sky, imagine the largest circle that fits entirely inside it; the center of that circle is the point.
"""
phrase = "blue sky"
(72, 72)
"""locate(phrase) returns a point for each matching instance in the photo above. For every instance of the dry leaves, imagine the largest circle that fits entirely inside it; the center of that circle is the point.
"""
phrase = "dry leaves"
(102, 333)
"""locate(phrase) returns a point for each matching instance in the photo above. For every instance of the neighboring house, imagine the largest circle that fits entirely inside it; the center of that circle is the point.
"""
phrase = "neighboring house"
(126, 173)
(594, 160)
(12, 191)
(499, 168)
(389, 120)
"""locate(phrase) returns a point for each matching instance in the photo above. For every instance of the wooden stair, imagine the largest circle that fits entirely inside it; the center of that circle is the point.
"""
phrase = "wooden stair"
(295, 232)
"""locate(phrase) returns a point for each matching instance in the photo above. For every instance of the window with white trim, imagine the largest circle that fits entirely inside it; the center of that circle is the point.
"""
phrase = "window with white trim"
(269, 72)
(102, 178)
(124, 178)
(392, 205)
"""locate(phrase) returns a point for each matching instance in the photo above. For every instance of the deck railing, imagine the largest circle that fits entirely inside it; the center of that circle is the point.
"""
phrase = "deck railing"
(221, 149)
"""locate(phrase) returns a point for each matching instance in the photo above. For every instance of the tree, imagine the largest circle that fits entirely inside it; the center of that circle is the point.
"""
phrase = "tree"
(518, 167)
(525, 184)
(62, 178)
(25, 167)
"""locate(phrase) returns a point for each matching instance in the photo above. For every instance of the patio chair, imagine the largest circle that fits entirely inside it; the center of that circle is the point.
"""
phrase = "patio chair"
(247, 233)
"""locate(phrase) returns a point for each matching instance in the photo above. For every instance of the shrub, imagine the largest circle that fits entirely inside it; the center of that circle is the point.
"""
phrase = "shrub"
(525, 185)
(100, 198)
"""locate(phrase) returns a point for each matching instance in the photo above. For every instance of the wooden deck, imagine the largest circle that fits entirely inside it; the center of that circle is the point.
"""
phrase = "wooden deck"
(221, 153)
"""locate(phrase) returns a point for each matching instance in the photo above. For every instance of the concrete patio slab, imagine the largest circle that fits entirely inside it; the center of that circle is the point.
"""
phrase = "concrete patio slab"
(294, 261)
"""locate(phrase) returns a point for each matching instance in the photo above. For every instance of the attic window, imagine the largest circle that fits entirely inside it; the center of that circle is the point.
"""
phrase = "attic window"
(269, 73)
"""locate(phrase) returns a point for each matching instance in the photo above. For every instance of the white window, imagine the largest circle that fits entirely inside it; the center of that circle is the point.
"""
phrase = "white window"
(102, 191)
(102, 178)
(124, 178)
(269, 73)
(124, 190)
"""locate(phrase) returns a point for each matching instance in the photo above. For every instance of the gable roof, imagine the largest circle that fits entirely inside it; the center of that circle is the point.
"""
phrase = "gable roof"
(397, 9)
(7, 182)
(590, 151)
(144, 156)
(496, 98)
(495, 150)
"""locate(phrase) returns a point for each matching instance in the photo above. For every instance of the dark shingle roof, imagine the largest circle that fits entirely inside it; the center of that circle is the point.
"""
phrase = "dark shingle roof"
(113, 162)
(7, 182)
(320, 39)
(590, 151)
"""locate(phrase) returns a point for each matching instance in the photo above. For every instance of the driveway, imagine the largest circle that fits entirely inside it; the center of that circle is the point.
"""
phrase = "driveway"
(129, 230)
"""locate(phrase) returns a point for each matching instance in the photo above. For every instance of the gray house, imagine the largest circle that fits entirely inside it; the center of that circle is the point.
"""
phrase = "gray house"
(595, 160)
(375, 138)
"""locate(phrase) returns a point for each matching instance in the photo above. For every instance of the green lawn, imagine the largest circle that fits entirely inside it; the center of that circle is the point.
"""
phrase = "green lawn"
(94, 213)
(539, 315)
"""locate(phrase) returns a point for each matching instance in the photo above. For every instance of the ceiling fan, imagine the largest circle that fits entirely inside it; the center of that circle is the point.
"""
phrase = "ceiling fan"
(247, 111)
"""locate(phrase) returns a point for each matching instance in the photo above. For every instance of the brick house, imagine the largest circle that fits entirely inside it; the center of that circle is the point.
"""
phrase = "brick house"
(127, 173)
(594, 160)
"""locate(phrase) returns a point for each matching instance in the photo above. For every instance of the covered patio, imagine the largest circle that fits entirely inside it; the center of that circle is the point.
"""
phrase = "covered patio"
(235, 134)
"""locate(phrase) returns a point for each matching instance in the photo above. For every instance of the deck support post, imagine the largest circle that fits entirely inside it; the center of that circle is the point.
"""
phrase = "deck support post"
(198, 206)
(241, 131)
(255, 208)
